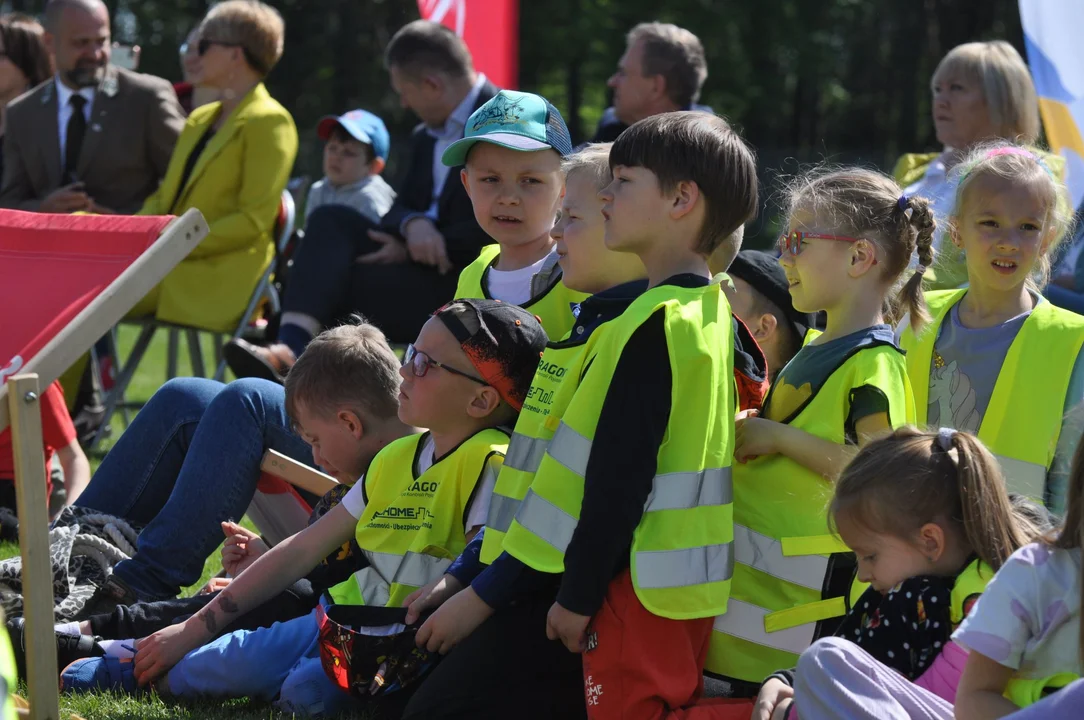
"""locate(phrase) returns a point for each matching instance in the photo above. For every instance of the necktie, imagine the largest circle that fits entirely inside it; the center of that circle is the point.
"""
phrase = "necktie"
(77, 128)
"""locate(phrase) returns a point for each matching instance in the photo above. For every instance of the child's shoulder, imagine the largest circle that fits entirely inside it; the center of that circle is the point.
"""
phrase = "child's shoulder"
(870, 345)
(1041, 558)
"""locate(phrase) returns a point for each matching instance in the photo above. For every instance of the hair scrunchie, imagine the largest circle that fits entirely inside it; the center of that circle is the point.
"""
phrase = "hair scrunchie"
(904, 204)
(945, 436)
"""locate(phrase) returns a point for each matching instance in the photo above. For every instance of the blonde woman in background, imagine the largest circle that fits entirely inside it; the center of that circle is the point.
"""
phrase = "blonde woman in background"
(232, 162)
(982, 91)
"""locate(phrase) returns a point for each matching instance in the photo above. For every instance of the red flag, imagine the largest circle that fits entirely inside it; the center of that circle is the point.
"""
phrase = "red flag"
(53, 266)
(491, 30)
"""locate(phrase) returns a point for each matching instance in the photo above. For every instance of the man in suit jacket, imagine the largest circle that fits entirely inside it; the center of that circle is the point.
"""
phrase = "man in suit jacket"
(396, 274)
(662, 70)
(96, 137)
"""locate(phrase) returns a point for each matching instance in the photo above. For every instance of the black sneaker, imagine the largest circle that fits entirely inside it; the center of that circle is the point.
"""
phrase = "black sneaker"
(69, 648)
(111, 594)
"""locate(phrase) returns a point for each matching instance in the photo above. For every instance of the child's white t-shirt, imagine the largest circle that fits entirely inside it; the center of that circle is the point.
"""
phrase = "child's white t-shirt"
(1028, 618)
(514, 286)
(354, 500)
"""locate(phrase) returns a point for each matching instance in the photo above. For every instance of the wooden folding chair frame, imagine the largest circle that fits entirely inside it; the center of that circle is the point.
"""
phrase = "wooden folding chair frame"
(297, 474)
(20, 405)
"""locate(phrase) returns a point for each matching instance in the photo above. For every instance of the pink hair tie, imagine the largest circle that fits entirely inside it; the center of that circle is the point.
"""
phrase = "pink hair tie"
(1011, 151)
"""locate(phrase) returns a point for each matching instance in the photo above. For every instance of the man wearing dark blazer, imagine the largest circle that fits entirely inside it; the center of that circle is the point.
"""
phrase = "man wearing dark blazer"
(396, 274)
(96, 137)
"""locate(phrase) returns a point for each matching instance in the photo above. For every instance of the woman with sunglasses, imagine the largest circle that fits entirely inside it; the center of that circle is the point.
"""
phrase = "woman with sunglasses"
(189, 94)
(849, 239)
(231, 162)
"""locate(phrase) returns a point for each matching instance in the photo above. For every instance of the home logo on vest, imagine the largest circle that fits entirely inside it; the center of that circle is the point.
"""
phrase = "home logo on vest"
(404, 513)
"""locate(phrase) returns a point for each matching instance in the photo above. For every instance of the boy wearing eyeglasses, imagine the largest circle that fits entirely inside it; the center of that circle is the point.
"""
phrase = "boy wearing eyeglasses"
(423, 498)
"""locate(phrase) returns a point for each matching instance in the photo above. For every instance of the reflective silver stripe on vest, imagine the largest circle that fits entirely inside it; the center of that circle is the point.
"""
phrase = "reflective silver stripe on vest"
(766, 554)
(545, 520)
(746, 621)
(525, 453)
(570, 449)
(386, 569)
(656, 569)
(502, 509)
(684, 490)
(1023, 477)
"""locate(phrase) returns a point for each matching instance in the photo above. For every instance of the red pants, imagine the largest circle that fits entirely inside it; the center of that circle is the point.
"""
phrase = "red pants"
(639, 666)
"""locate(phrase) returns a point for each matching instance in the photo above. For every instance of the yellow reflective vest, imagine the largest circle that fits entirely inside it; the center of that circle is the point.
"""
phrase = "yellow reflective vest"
(8, 676)
(562, 364)
(412, 526)
(790, 572)
(552, 303)
(969, 585)
(682, 554)
(1023, 420)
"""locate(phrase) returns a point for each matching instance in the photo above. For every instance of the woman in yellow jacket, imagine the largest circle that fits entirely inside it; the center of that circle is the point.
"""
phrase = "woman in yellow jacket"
(231, 162)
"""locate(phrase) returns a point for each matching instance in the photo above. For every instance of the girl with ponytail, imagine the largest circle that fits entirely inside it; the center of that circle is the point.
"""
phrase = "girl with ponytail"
(930, 521)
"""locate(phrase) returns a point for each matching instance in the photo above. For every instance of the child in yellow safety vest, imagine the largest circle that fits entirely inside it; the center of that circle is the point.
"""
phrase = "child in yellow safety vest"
(464, 379)
(848, 241)
(997, 359)
(511, 155)
(631, 498)
(929, 518)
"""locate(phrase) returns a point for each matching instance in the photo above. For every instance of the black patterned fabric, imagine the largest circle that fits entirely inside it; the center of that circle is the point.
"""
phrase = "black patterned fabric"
(84, 545)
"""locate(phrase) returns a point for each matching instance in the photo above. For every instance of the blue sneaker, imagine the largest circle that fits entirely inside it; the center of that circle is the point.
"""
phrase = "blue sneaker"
(100, 673)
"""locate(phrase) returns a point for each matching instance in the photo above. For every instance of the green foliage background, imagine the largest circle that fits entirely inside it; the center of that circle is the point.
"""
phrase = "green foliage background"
(806, 80)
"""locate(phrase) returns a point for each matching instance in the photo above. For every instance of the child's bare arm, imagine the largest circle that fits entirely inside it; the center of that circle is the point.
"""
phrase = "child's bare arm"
(76, 470)
(979, 696)
(757, 436)
(271, 574)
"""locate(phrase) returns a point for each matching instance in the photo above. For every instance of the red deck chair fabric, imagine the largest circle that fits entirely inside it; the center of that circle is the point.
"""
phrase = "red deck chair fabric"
(277, 509)
(53, 266)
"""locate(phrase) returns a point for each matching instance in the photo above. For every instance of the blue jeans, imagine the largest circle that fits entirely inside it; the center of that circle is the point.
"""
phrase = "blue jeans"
(189, 461)
(282, 661)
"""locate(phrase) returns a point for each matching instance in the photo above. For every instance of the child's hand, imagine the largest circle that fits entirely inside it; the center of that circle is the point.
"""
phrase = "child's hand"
(243, 547)
(431, 596)
(214, 585)
(568, 627)
(158, 653)
(754, 436)
(455, 620)
(771, 696)
(781, 710)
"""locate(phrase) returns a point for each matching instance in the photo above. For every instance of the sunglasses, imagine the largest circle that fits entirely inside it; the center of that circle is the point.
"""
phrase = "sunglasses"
(420, 363)
(792, 242)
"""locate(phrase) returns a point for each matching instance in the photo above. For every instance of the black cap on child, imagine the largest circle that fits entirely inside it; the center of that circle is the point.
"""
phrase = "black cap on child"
(502, 341)
(763, 272)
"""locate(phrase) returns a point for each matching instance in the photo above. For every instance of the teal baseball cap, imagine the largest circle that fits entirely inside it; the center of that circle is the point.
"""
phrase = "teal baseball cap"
(515, 120)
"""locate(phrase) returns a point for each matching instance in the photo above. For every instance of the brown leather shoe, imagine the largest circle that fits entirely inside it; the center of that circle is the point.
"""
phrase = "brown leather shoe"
(248, 360)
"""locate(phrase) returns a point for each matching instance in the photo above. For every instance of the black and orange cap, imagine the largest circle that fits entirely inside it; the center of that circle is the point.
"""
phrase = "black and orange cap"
(502, 341)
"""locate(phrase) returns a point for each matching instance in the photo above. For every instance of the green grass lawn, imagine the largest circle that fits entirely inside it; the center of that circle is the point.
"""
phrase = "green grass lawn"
(104, 706)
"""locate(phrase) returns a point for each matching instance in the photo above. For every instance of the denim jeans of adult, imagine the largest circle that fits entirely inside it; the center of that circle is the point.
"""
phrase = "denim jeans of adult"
(189, 461)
